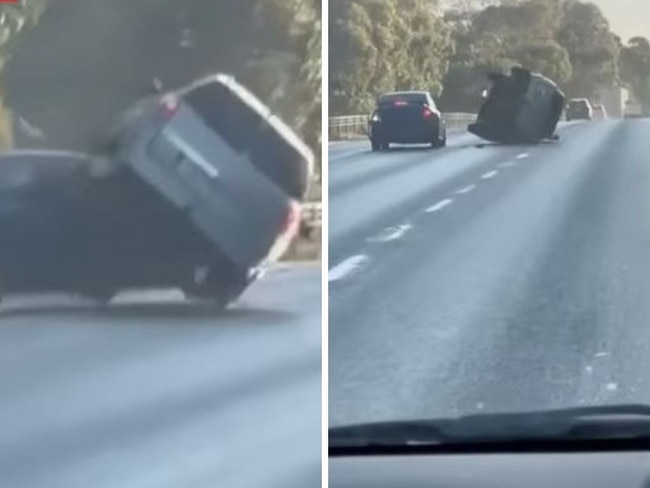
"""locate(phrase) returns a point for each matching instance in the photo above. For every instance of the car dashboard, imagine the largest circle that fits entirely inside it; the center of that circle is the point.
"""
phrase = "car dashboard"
(513, 470)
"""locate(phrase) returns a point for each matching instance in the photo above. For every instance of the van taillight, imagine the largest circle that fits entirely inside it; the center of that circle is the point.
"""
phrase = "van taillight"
(291, 218)
(287, 232)
(427, 113)
(170, 106)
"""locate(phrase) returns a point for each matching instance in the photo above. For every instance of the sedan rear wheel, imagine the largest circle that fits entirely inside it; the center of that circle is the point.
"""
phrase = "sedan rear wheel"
(439, 142)
(443, 141)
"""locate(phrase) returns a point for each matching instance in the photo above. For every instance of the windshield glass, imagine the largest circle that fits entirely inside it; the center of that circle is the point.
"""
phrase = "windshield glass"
(494, 260)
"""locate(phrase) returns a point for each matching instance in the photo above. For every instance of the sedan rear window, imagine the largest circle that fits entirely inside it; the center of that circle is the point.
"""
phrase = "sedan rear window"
(577, 104)
(406, 97)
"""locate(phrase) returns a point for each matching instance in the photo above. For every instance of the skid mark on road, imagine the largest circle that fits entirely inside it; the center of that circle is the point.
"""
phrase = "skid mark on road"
(346, 267)
(440, 205)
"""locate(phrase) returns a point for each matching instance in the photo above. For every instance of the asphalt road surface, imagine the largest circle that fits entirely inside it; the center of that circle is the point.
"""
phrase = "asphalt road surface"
(154, 392)
(491, 278)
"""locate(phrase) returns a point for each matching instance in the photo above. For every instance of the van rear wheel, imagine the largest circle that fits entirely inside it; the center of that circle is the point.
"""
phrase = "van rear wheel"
(219, 285)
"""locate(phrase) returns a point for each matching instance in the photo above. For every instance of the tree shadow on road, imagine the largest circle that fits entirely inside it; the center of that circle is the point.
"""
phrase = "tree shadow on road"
(523, 145)
(408, 148)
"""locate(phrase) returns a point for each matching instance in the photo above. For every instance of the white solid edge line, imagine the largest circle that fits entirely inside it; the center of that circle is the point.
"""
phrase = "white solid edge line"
(523, 156)
(467, 189)
(345, 267)
(440, 205)
(490, 174)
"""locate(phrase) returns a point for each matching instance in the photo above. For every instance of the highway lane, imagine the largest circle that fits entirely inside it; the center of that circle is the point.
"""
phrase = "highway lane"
(496, 278)
(157, 392)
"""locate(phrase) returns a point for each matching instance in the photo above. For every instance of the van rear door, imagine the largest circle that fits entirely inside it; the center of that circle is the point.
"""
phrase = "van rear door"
(223, 193)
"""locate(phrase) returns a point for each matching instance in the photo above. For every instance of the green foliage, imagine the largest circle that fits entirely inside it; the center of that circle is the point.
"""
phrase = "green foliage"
(635, 69)
(498, 37)
(383, 45)
(380, 45)
(95, 58)
(592, 47)
(567, 40)
(289, 75)
(15, 18)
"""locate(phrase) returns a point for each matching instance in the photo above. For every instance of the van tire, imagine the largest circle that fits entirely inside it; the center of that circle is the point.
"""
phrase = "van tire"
(222, 286)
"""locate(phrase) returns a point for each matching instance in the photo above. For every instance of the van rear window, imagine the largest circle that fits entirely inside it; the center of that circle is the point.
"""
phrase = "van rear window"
(247, 130)
(225, 113)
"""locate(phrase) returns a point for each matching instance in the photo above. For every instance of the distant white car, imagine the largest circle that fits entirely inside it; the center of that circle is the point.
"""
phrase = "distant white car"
(633, 110)
(600, 113)
(579, 109)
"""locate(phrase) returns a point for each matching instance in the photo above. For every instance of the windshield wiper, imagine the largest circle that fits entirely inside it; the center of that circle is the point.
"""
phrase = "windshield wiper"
(626, 424)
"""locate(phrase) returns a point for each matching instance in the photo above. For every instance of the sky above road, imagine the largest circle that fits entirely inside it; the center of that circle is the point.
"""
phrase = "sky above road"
(628, 18)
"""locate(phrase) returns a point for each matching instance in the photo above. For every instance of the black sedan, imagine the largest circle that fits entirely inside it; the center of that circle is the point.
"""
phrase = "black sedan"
(409, 117)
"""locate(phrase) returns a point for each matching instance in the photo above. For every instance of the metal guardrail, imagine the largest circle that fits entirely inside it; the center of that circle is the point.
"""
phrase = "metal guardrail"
(347, 127)
(307, 244)
(311, 219)
(350, 126)
(459, 120)
(312, 213)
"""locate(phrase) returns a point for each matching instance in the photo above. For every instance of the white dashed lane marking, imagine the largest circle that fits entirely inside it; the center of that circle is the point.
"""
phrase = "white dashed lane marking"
(391, 233)
(523, 156)
(439, 206)
(346, 267)
(467, 189)
(490, 174)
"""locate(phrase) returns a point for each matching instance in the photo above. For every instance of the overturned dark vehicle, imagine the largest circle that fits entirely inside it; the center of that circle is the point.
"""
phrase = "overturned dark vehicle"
(523, 107)
(197, 189)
